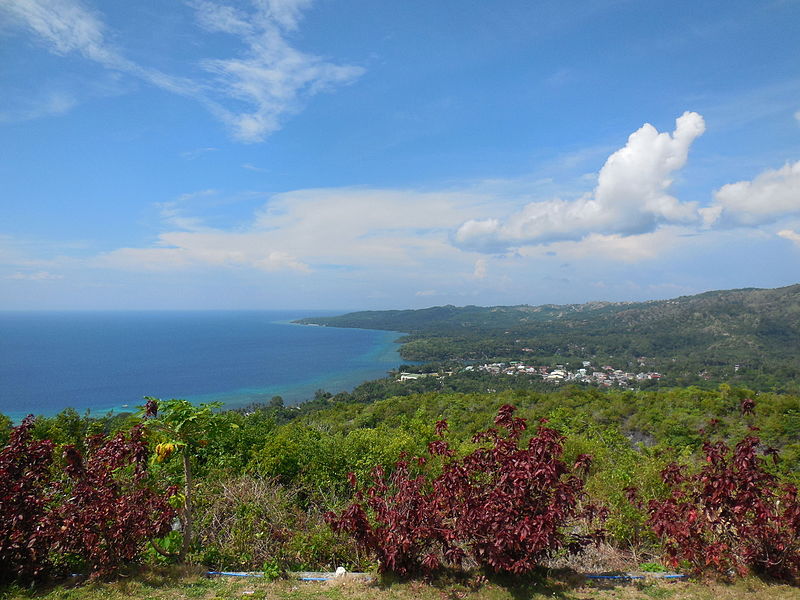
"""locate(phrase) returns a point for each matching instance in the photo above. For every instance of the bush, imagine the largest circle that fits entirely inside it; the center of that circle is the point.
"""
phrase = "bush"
(109, 511)
(26, 491)
(98, 517)
(512, 507)
(730, 516)
(408, 532)
(244, 523)
(506, 506)
(616, 465)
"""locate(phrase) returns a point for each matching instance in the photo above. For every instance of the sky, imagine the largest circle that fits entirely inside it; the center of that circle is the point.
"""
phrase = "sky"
(374, 154)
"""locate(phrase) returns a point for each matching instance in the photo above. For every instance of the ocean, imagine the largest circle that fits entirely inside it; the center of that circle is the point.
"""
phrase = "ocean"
(108, 361)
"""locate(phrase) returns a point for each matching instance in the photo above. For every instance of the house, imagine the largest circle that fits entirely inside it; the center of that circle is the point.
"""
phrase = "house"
(412, 376)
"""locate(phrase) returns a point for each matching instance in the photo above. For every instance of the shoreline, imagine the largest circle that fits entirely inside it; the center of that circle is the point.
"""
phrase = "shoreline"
(369, 363)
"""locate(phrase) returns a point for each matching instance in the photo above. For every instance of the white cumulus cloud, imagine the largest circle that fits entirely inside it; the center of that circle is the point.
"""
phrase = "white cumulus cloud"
(772, 195)
(631, 197)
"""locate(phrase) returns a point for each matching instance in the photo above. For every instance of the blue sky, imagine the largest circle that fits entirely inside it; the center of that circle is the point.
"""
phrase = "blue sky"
(389, 154)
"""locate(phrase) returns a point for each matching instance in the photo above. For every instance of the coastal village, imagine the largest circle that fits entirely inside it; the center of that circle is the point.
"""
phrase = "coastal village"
(605, 376)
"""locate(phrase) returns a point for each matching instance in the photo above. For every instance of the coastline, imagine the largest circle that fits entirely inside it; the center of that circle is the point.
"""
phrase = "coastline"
(291, 365)
(386, 354)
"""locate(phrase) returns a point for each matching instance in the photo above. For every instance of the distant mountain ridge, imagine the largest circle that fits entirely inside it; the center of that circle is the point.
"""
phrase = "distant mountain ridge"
(691, 336)
(783, 301)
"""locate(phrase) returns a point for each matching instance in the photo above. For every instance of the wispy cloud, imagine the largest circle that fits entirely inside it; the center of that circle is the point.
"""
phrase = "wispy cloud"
(613, 248)
(481, 269)
(68, 26)
(31, 255)
(561, 78)
(54, 103)
(174, 213)
(203, 249)
(271, 77)
(357, 227)
(250, 93)
(252, 167)
(791, 235)
(35, 276)
(197, 153)
(735, 110)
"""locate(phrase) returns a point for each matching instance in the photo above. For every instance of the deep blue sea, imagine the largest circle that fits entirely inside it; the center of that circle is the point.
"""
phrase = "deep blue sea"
(103, 361)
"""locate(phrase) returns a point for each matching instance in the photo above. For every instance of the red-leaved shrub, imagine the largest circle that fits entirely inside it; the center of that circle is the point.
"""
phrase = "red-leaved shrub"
(512, 507)
(507, 507)
(100, 509)
(407, 531)
(26, 491)
(731, 516)
(109, 511)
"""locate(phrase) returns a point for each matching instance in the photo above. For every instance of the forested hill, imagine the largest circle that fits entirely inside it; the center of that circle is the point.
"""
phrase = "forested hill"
(691, 338)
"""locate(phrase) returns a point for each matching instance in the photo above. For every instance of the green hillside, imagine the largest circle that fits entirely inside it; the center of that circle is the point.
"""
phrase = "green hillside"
(750, 336)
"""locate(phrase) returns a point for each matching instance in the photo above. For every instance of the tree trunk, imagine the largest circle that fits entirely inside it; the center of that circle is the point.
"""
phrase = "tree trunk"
(160, 549)
(187, 505)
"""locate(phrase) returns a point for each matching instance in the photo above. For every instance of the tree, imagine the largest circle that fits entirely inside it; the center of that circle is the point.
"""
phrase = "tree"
(183, 429)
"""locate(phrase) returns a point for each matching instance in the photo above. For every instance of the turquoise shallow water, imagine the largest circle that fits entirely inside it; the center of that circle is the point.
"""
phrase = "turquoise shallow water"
(101, 361)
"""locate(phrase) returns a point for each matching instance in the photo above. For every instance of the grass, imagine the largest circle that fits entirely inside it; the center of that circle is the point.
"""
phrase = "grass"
(188, 584)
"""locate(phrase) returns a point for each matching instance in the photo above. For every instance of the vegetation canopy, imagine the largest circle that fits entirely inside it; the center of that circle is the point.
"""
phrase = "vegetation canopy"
(272, 487)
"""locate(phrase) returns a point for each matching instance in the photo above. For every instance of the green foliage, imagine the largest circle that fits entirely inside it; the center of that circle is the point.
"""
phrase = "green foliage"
(246, 522)
(616, 466)
(271, 570)
(182, 422)
(652, 567)
(691, 339)
(170, 546)
(262, 475)
(318, 547)
(319, 461)
(67, 427)
(70, 428)
(6, 424)
(181, 425)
